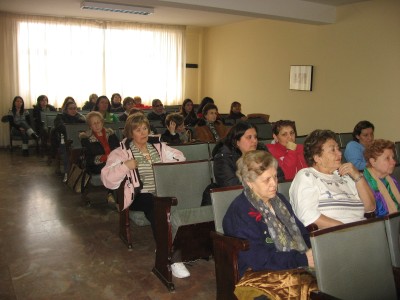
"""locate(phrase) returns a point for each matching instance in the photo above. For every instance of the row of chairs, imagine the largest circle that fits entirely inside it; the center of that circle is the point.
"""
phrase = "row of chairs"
(182, 224)
(352, 261)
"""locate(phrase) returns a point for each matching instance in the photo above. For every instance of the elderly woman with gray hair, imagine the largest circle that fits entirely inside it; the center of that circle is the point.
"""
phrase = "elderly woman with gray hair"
(278, 240)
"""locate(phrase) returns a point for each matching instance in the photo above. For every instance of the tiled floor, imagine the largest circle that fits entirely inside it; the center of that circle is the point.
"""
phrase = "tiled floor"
(54, 247)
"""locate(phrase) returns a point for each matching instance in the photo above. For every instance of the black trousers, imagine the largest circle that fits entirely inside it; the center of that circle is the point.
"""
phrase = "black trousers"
(145, 202)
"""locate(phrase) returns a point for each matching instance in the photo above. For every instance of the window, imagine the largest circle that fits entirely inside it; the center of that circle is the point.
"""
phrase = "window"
(79, 58)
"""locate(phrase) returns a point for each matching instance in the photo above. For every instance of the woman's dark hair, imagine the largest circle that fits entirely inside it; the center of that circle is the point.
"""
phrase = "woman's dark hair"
(183, 111)
(66, 100)
(40, 98)
(234, 135)
(96, 107)
(204, 102)
(113, 96)
(176, 117)
(67, 105)
(314, 142)
(14, 109)
(127, 100)
(233, 104)
(283, 123)
(208, 107)
(359, 127)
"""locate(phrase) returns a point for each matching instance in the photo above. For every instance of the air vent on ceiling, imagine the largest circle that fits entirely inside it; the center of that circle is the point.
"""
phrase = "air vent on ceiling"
(120, 8)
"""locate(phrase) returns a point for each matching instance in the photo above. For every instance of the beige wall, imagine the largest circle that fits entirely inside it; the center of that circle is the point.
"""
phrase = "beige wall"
(356, 68)
(194, 46)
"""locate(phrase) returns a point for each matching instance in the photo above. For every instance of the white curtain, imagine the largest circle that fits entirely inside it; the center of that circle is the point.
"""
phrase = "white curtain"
(68, 57)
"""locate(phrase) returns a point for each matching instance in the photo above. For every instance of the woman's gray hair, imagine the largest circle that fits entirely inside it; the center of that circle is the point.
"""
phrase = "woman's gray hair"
(253, 164)
(133, 122)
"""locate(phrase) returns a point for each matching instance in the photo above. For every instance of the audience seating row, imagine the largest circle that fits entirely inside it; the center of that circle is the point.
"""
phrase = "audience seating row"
(349, 264)
(182, 225)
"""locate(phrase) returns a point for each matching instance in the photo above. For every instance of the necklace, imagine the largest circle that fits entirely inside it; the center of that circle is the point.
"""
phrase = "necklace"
(145, 152)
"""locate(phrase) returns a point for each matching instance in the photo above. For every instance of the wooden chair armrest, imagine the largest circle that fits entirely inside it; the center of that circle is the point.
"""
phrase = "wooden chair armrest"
(318, 295)
(312, 227)
(163, 237)
(226, 251)
(370, 215)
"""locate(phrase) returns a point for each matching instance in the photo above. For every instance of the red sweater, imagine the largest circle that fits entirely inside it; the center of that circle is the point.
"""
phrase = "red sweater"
(290, 161)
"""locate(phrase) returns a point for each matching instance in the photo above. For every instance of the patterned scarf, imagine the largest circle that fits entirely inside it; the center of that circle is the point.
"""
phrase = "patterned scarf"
(388, 190)
(213, 131)
(282, 226)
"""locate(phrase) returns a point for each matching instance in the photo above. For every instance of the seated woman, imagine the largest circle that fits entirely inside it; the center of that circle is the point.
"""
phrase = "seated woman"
(209, 129)
(242, 138)
(98, 143)
(42, 105)
(277, 239)
(127, 104)
(175, 133)
(329, 193)
(363, 135)
(89, 105)
(133, 160)
(19, 119)
(116, 105)
(290, 156)
(236, 112)
(103, 106)
(380, 165)
(69, 115)
(187, 111)
(203, 103)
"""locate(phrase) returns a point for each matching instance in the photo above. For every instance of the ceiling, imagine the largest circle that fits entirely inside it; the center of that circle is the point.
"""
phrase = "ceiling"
(204, 13)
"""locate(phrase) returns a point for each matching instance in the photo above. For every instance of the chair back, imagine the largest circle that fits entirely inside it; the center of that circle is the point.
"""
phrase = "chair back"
(396, 172)
(48, 118)
(352, 261)
(118, 129)
(283, 188)
(184, 180)
(397, 150)
(264, 130)
(221, 199)
(392, 223)
(194, 151)
(300, 139)
(344, 139)
(73, 131)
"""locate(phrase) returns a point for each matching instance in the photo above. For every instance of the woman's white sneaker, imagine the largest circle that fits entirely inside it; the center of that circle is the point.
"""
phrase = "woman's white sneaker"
(179, 270)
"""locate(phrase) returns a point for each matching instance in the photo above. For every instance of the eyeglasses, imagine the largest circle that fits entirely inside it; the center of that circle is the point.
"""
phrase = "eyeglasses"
(72, 108)
(158, 105)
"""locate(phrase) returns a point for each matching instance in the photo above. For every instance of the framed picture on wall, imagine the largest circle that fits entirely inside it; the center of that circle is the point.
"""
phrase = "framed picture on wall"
(301, 78)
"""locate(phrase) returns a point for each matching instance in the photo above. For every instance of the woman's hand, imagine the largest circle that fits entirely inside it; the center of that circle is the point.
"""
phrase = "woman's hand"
(172, 127)
(291, 146)
(131, 164)
(349, 169)
(310, 258)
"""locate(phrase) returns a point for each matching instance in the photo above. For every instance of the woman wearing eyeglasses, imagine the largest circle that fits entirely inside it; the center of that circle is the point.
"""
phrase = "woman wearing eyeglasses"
(158, 112)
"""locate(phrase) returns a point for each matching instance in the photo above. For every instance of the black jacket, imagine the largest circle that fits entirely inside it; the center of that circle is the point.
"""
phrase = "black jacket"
(225, 165)
(94, 149)
(168, 138)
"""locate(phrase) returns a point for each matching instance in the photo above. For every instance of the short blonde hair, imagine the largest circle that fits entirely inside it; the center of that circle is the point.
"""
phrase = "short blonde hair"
(94, 114)
(253, 164)
(134, 121)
